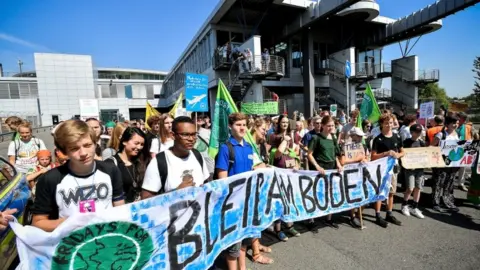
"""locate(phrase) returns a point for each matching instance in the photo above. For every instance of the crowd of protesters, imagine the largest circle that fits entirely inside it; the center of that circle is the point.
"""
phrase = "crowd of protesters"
(137, 160)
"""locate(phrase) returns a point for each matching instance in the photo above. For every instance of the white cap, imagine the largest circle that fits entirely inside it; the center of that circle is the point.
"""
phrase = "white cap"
(357, 131)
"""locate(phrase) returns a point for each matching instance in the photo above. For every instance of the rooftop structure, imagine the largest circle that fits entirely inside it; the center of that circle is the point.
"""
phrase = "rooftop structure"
(299, 50)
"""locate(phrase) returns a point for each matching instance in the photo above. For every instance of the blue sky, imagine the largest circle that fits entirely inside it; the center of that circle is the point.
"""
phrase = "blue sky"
(151, 34)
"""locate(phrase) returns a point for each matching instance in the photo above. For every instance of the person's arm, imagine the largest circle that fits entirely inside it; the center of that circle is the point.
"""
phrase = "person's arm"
(31, 177)
(5, 217)
(400, 154)
(42, 205)
(282, 147)
(42, 145)
(117, 187)
(151, 181)
(11, 153)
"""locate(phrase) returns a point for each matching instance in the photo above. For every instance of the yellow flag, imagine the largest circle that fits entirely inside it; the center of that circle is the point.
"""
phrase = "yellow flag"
(178, 104)
(149, 111)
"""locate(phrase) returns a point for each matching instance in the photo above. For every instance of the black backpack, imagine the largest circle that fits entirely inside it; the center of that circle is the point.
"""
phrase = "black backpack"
(231, 158)
(163, 168)
(17, 146)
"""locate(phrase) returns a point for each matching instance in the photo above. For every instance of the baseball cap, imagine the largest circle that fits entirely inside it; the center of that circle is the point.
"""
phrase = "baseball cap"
(357, 131)
(416, 128)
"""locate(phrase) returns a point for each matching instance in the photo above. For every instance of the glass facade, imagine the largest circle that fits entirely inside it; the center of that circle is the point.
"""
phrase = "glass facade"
(18, 90)
(120, 75)
(128, 91)
(198, 60)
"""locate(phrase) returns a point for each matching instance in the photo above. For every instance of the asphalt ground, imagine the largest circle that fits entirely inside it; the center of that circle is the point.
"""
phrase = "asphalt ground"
(440, 241)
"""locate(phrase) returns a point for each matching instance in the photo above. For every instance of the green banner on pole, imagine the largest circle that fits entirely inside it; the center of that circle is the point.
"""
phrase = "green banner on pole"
(270, 107)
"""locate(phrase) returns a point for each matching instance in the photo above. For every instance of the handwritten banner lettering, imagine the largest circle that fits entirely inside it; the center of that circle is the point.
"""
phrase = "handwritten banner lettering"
(424, 157)
(187, 229)
(459, 153)
(353, 151)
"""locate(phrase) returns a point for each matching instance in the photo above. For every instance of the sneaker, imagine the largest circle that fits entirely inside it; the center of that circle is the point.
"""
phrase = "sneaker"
(311, 226)
(462, 187)
(332, 224)
(293, 232)
(453, 209)
(406, 210)
(417, 213)
(282, 236)
(355, 223)
(394, 220)
(381, 222)
(437, 208)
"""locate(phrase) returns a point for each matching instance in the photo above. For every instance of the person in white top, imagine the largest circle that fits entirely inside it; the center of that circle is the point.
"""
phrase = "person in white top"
(408, 121)
(185, 167)
(22, 152)
(165, 140)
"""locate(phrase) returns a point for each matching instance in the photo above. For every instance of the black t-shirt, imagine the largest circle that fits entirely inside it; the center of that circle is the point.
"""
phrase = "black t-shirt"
(383, 144)
(61, 193)
(409, 143)
(131, 187)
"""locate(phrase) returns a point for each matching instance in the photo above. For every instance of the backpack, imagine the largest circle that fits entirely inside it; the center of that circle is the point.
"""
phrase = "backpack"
(231, 157)
(163, 168)
(35, 140)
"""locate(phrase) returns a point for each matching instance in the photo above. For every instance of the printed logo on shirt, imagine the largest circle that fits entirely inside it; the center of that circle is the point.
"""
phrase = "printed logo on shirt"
(131, 247)
(84, 193)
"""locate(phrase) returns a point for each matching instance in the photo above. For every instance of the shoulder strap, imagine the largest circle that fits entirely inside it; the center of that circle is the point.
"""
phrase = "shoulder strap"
(203, 140)
(16, 148)
(162, 169)
(231, 155)
(422, 143)
(198, 156)
(114, 160)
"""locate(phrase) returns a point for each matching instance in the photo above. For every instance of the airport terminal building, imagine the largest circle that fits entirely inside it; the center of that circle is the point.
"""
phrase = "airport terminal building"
(299, 50)
(62, 85)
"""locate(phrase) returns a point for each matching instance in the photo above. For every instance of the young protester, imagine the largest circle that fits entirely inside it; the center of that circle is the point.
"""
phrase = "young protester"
(165, 139)
(179, 167)
(324, 154)
(344, 137)
(413, 178)
(12, 122)
(95, 125)
(356, 136)
(22, 152)
(154, 129)
(132, 159)
(284, 155)
(444, 178)
(243, 162)
(114, 143)
(60, 191)
(465, 131)
(387, 143)
(44, 164)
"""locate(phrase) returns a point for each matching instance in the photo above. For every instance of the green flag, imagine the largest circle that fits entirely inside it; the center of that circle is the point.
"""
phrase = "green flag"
(224, 106)
(369, 108)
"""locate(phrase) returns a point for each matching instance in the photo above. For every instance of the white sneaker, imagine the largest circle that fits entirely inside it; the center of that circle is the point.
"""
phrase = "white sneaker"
(417, 213)
(406, 210)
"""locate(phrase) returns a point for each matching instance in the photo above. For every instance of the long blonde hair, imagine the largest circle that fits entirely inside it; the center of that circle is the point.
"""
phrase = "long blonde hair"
(114, 141)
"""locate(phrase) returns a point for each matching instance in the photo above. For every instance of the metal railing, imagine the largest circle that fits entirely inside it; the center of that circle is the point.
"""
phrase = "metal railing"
(29, 74)
(7, 137)
(432, 75)
(258, 65)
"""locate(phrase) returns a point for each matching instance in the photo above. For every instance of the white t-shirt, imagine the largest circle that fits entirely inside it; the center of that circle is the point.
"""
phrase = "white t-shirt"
(156, 148)
(405, 133)
(26, 153)
(346, 132)
(177, 169)
(452, 136)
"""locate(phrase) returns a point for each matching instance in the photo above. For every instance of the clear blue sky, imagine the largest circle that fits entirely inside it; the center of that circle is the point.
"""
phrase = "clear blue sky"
(151, 34)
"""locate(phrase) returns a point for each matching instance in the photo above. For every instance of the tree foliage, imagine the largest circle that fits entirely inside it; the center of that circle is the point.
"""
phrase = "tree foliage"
(433, 92)
(476, 85)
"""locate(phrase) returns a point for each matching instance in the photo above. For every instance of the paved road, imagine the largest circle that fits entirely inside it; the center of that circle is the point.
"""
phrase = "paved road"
(440, 241)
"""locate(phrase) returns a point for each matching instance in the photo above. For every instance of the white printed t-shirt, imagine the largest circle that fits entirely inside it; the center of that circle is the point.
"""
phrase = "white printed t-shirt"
(177, 169)
(158, 147)
(26, 153)
(61, 193)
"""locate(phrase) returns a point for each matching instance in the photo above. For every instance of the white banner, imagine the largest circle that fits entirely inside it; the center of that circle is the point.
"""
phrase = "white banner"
(459, 153)
(188, 228)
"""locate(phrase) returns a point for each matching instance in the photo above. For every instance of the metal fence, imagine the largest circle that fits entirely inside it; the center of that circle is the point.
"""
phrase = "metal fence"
(32, 118)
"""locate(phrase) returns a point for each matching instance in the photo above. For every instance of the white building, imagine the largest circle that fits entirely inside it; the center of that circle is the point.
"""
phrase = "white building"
(52, 92)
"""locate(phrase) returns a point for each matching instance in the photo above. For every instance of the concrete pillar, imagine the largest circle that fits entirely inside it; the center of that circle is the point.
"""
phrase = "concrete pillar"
(404, 73)
(308, 74)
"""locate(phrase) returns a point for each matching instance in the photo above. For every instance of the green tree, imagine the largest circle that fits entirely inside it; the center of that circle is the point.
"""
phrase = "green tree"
(476, 84)
(433, 92)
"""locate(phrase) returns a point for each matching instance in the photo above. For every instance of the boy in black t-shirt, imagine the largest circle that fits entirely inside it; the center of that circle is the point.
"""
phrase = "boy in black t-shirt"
(413, 178)
(387, 144)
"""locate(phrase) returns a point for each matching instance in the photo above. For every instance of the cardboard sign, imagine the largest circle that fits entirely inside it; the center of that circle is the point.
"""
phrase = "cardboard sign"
(422, 157)
(353, 151)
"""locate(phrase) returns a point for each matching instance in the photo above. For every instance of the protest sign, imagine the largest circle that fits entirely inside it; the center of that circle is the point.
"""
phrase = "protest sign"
(422, 157)
(188, 228)
(459, 153)
(353, 151)
(269, 107)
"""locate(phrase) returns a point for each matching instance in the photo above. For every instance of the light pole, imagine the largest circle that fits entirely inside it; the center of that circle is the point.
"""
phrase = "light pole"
(20, 64)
